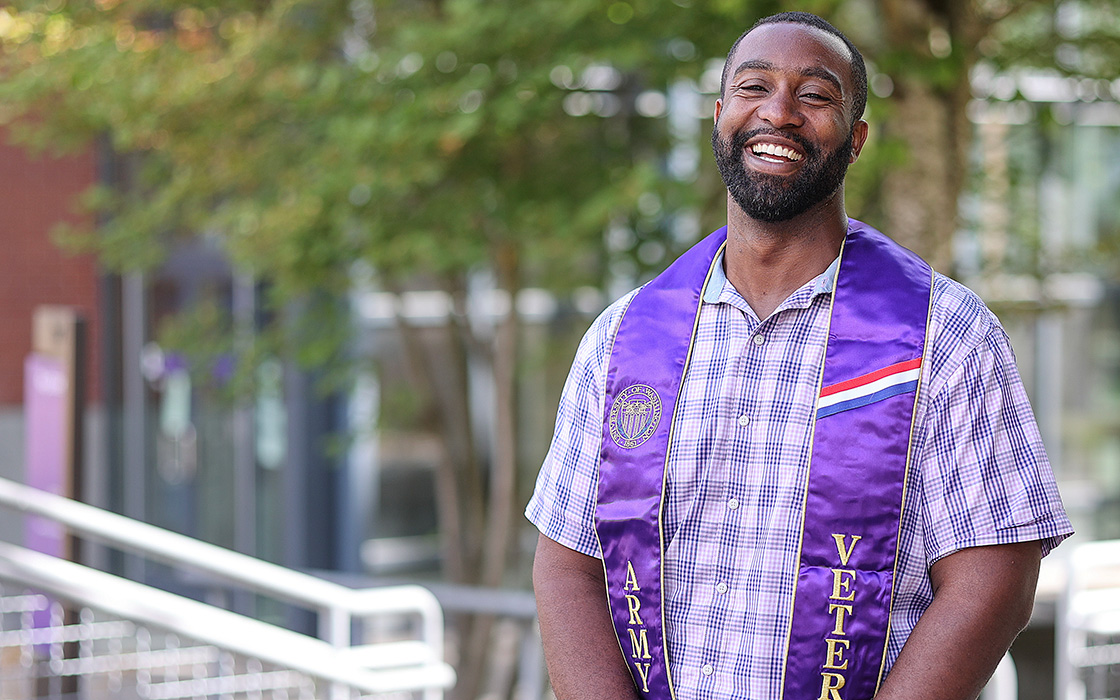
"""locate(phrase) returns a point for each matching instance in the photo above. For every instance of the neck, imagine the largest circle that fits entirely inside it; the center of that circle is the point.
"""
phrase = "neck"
(768, 261)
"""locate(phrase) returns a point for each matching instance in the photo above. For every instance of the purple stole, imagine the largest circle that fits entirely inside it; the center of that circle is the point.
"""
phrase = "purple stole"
(854, 487)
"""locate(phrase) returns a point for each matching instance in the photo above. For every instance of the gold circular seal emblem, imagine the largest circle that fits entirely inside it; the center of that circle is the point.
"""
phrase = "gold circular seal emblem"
(634, 416)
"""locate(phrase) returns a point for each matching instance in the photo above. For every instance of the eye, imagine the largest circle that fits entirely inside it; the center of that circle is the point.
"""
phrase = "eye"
(816, 97)
(752, 87)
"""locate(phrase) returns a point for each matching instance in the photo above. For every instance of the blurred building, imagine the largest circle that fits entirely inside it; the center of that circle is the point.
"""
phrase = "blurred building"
(155, 448)
(1041, 243)
(35, 194)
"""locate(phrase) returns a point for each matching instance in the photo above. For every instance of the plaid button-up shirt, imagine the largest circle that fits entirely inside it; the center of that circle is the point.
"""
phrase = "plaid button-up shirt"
(736, 473)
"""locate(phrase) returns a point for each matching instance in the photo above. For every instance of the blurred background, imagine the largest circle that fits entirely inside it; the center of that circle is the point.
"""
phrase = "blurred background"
(313, 271)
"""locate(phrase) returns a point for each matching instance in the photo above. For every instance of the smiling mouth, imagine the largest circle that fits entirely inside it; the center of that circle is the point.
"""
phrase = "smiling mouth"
(775, 153)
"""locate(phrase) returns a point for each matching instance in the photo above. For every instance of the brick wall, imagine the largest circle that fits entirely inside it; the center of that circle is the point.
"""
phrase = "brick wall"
(35, 193)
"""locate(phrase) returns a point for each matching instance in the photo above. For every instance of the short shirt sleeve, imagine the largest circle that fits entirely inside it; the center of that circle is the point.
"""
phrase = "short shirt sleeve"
(563, 502)
(985, 477)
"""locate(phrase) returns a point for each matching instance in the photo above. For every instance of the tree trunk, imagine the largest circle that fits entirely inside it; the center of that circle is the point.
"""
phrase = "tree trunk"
(920, 197)
(459, 501)
(503, 475)
(928, 112)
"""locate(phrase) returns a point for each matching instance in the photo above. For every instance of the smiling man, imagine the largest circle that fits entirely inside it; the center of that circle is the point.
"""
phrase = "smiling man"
(798, 464)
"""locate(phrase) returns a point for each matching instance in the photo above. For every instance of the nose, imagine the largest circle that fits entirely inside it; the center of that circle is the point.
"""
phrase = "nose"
(781, 110)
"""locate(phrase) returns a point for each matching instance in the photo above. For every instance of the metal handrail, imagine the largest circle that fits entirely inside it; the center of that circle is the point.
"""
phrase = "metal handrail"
(220, 628)
(1090, 604)
(1004, 683)
(336, 604)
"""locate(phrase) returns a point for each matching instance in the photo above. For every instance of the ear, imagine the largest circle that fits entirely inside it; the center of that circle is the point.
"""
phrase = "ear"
(719, 107)
(859, 137)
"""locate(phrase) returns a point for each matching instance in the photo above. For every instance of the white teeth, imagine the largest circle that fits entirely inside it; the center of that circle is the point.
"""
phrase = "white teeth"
(775, 150)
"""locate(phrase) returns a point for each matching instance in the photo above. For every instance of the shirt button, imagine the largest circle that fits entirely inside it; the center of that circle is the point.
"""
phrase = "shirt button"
(721, 587)
(732, 503)
(707, 669)
(744, 420)
(759, 339)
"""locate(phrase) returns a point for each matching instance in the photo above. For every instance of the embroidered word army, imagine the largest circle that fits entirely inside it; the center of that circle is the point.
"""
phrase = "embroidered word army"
(841, 604)
(639, 640)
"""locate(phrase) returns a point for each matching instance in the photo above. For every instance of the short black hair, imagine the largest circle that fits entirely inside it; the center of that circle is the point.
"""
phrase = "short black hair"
(859, 70)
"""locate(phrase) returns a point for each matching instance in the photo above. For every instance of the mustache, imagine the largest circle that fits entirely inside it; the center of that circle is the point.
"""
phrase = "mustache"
(740, 138)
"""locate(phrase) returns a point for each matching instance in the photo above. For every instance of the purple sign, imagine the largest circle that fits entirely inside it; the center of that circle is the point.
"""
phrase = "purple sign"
(45, 388)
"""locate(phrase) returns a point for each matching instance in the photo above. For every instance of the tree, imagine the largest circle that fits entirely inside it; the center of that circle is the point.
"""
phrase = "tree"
(924, 54)
(428, 139)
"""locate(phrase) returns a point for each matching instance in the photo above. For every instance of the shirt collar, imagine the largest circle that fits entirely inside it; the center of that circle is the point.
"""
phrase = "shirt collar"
(821, 284)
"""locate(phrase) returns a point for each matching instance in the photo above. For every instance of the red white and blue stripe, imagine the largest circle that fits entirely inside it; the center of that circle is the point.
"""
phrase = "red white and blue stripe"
(900, 378)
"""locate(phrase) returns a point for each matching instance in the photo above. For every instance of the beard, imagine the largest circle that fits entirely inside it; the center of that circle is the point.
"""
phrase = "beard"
(773, 198)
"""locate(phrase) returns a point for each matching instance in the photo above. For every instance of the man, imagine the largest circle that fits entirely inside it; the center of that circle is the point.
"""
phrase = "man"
(798, 464)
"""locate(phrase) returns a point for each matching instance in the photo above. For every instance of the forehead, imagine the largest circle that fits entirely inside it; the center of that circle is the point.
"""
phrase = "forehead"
(794, 47)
